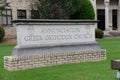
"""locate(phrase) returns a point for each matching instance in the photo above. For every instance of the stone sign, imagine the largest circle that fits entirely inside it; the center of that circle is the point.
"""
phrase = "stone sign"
(36, 37)
(54, 34)
(52, 42)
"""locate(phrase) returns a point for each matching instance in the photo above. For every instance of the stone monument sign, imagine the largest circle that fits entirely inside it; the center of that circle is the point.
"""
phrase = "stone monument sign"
(54, 34)
(55, 42)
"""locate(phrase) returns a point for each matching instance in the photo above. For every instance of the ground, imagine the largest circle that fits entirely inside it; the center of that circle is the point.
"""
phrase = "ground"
(78, 71)
(9, 41)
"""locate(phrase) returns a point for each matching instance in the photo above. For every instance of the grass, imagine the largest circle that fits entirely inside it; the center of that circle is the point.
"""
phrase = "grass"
(81, 71)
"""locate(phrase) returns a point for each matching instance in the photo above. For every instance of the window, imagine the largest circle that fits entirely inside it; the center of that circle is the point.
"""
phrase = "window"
(21, 14)
(7, 17)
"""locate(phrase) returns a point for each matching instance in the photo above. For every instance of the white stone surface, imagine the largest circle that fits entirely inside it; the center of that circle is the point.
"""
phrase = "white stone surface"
(49, 34)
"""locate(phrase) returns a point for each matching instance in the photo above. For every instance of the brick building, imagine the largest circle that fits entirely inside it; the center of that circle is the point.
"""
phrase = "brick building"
(18, 9)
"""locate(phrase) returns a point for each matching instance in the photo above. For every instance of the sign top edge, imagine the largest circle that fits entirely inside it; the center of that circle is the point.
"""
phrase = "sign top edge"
(53, 21)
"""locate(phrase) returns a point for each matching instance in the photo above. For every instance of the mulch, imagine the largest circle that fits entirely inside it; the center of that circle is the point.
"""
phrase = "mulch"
(9, 41)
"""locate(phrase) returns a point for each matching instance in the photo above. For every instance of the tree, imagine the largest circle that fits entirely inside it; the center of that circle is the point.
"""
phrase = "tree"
(60, 9)
(56, 9)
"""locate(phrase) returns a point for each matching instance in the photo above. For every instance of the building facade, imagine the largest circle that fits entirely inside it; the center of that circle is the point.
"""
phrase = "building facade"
(17, 9)
(107, 12)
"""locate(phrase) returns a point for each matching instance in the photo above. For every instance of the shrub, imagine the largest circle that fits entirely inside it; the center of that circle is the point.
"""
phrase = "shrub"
(56, 9)
(85, 11)
(99, 33)
(64, 9)
(2, 33)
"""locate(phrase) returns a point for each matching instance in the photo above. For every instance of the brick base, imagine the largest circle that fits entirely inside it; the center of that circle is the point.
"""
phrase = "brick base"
(12, 63)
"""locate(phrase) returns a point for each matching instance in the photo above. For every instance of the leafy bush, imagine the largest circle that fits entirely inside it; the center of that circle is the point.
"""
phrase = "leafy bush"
(63, 9)
(2, 33)
(99, 33)
(85, 11)
(56, 9)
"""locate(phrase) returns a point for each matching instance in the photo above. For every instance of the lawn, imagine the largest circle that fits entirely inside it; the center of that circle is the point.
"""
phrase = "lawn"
(81, 71)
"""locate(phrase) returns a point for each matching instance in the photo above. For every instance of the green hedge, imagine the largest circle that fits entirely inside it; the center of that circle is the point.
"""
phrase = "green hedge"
(99, 33)
(63, 9)
(2, 33)
(85, 11)
(55, 9)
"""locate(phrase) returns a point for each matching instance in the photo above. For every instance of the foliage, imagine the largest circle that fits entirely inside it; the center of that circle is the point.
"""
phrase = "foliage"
(99, 33)
(56, 9)
(85, 11)
(63, 9)
(2, 33)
